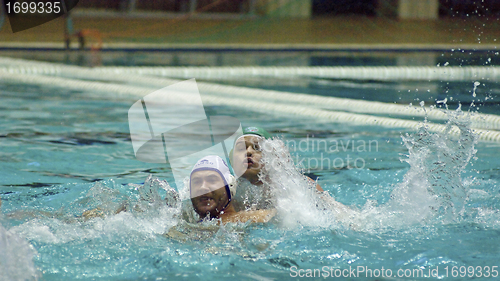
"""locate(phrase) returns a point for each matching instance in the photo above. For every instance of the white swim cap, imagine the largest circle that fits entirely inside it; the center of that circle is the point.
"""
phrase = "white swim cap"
(215, 163)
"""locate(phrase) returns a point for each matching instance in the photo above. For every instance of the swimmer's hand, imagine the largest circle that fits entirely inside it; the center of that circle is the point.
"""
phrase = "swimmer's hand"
(172, 198)
(318, 187)
(344, 214)
(176, 235)
(150, 197)
(94, 213)
(256, 216)
(101, 213)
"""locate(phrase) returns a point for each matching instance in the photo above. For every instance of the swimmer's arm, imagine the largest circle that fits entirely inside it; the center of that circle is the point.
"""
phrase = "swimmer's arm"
(256, 216)
(318, 187)
(344, 214)
(28, 214)
(100, 213)
(175, 234)
(94, 213)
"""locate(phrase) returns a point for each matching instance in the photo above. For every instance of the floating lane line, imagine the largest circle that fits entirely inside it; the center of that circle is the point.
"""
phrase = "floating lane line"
(479, 120)
(126, 91)
(382, 73)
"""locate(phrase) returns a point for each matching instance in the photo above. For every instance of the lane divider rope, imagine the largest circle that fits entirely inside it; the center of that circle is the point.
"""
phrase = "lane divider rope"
(479, 121)
(127, 91)
(383, 73)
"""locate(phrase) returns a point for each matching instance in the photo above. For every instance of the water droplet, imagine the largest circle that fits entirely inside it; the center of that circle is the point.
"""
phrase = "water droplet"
(475, 87)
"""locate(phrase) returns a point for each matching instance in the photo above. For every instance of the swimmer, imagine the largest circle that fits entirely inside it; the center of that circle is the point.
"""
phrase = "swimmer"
(246, 159)
(212, 188)
(247, 154)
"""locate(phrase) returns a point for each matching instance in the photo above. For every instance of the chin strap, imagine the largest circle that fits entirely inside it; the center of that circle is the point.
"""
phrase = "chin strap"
(228, 198)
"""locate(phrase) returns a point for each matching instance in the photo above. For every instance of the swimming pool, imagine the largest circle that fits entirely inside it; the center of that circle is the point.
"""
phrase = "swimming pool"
(66, 148)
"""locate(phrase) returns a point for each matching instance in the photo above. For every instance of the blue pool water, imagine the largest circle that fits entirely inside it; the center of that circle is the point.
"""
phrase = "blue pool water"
(67, 151)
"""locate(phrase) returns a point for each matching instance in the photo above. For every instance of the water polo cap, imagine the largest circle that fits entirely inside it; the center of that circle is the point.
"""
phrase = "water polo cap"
(215, 163)
(256, 131)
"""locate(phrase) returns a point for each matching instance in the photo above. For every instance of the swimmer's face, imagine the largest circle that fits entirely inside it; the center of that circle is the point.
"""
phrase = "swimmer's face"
(247, 154)
(208, 193)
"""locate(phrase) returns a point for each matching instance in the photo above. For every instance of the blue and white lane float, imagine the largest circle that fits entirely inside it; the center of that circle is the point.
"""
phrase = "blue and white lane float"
(132, 85)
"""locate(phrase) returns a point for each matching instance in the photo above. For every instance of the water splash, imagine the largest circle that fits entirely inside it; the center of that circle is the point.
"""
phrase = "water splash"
(294, 195)
(150, 198)
(16, 257)
(105, 211)
(432, 191)
(476, 83)
(251, 197)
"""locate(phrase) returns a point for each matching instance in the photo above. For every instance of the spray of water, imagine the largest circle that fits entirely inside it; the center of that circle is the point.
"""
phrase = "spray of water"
(104, 211)
(16, 257)
(432, 191)
(294, 195)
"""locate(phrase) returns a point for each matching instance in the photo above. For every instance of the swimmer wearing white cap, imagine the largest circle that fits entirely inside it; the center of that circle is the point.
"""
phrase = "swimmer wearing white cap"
(212, 187)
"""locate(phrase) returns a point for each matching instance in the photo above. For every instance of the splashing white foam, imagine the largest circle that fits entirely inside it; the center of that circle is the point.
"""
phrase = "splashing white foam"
(432, 190)
(295, 196)
(147, 215)
(16, 257)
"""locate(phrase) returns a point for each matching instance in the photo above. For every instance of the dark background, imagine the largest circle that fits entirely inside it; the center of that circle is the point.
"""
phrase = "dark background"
(319, 8)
